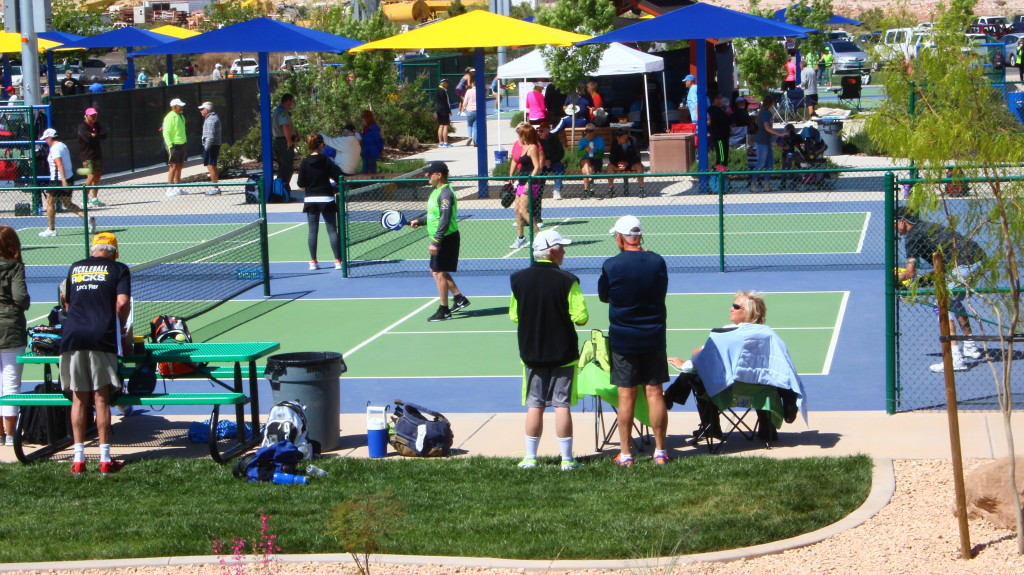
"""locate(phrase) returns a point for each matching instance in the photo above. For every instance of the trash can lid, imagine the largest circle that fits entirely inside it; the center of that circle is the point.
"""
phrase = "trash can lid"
(303, 359)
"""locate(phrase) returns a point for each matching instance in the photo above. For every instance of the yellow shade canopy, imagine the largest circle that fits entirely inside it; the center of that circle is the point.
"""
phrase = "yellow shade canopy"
(476, 29)
(175, 31)
(10, 42)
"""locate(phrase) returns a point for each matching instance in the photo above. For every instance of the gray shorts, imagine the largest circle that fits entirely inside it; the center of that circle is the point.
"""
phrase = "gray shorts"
(88, 370)
(631, 370)
(549, 386)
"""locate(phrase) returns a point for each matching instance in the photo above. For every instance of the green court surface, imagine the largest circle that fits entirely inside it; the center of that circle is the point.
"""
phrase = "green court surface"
(684, 235)
(390, 337)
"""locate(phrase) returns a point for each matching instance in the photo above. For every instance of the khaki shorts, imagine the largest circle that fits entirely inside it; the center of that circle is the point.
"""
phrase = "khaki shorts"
(88, 370)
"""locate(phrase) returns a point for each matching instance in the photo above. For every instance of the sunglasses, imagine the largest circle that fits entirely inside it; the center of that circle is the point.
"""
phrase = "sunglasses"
(736, 306)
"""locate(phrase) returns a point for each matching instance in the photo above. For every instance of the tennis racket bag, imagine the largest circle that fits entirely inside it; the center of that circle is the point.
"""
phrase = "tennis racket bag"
(166, 329)
(287, 422)
(420, 432)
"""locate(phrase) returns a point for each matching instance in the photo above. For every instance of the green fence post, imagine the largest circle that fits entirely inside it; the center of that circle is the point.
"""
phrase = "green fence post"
(721, 231)
(888, 199)
(36, 195)
(343, 227)
(265, 243)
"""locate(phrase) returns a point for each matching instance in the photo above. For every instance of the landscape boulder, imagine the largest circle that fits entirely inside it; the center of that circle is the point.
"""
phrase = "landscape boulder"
(988, 492)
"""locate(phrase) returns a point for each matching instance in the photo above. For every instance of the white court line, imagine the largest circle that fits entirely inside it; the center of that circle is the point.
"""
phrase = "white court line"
(864, 232)
(528, 246)
(827, 366)
(388, 328)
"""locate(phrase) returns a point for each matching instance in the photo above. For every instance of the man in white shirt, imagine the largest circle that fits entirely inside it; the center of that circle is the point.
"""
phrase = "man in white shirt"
(61, 177)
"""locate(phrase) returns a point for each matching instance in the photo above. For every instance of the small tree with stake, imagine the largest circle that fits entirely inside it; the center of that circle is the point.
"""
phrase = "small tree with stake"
(942, 111)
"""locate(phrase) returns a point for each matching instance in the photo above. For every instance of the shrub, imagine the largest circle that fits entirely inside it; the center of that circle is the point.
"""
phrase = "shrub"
(407, 143)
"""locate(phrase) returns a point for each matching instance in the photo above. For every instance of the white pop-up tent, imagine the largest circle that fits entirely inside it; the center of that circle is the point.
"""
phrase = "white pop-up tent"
(617, 60)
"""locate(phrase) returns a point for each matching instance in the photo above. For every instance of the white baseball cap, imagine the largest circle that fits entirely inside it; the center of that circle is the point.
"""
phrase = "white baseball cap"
(206, 106)
(548, 239)
(177, 102)
(49, 133)
(627, 226)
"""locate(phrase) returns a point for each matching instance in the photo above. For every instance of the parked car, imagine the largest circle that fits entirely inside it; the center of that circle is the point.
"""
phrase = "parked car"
(297, 63)
(848, 57)
(186, 69)
(869, 39)
(16, 75)
(244, 66)
(982, 45)
(85, 69)
(1014, 48)
(112, 73)
(1018, 23)
(839, 36)
(1001, 21)
(895, 44)
(992, 30)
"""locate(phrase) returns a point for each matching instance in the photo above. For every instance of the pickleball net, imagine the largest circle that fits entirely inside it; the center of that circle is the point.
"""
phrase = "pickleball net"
(196, 279)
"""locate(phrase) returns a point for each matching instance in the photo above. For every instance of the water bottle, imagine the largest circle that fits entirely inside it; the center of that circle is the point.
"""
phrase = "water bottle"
(314, 471)
(288, 478)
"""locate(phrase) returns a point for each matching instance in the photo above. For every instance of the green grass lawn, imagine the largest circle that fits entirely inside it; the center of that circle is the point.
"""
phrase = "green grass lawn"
(477, 506)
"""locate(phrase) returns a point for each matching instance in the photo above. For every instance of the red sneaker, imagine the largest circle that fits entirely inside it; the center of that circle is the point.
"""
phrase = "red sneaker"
(110, 467)
(78, 468)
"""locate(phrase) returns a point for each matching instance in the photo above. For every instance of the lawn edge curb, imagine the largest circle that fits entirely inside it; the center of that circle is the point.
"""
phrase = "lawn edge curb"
(883, 486)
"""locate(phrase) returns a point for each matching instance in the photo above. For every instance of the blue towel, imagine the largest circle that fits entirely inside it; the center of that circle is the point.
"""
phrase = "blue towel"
(198, 432)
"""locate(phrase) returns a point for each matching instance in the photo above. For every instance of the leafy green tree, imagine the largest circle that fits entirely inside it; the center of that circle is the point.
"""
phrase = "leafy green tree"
(520, 11)
(942, 112)
(456, 8)
(228, 13)
(871, 18)
(761, 61)
(70, 17)
(814, 15)
(569, 67)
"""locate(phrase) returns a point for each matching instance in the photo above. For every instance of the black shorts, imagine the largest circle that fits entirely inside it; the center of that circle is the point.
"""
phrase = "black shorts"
(320, 208)
(634, 369)
(811, 100)
(210, 155)
(447, 257)
(61, 192)
(177, 154)
(443, 119)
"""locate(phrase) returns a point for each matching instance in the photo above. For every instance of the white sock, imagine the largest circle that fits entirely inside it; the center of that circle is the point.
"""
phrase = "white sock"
(79, 453)
(565, 446)
(531, 447)
(658, 452)
(104, 452)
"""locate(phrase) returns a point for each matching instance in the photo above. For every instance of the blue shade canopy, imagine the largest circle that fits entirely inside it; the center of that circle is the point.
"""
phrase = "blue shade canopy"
(62, 37)
(258, 35)
(835, 20)
(701, 21)
(120, 38)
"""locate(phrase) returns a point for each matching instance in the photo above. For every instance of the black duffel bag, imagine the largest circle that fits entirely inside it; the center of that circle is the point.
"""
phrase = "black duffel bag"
(420, 432)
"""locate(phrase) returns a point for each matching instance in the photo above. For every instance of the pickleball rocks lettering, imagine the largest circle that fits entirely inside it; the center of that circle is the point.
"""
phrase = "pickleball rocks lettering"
(88, 277)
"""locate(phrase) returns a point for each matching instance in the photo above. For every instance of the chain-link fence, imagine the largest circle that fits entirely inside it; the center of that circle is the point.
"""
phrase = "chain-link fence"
(827, 218)
(914, 351)
(189, 249)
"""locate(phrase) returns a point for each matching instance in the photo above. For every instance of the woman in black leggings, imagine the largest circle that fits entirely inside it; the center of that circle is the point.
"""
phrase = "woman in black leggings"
(315, 177)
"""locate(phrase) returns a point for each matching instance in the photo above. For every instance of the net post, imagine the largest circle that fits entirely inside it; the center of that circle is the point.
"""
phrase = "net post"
(888, 199)
(343, 227)
(264, 239)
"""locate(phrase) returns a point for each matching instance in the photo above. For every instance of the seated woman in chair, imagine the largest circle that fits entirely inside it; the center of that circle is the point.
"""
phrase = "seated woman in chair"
(748, 307)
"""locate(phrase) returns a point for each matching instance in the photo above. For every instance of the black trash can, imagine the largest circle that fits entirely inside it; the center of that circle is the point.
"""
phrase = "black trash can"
(312, 378)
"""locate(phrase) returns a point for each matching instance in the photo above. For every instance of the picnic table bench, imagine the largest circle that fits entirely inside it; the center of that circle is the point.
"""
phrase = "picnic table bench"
(241, 357)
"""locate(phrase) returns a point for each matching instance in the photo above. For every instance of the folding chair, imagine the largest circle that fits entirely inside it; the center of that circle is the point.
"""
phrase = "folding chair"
(594, 380)
(795, 103)
(849, 89)
(735, 405)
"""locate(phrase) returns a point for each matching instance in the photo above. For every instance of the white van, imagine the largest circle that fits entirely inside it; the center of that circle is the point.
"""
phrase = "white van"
(895, 44)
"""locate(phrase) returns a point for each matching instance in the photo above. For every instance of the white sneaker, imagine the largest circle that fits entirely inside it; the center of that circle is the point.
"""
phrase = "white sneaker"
(92, 224)
(213, 192)
(556, 195)
(313, 266)
(48, 234)
(181, 191)
(171, 192)
(10, 441)
(520, 242)
(337, 264)
(971, 350)
(540, 225)
(939, 367)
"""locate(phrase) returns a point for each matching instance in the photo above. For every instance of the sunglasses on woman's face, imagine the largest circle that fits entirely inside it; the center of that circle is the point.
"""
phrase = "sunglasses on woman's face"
(736, 306)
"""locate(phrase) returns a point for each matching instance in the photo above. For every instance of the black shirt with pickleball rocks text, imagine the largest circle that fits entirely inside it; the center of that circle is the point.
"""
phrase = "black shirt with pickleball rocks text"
(93, 286)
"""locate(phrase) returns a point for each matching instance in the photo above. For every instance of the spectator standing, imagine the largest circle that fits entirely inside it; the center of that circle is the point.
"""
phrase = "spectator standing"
(90, 151)
(443, 113)
(809, 83)
(174, 139)
(535, 109)
(548, 304)
(442, 221)
(553, 101)
(69, 86)
(316, 174)
(14, 302)
(468, 108)
(285, 138)
(98, 306)
(790, 82)
(463, 84)
(12, 95)
(126, 84)
(373, 142)
(690, 81)
(211, 143)
(553, 153)
(59, 160)
(763, 144)
(217, 74)
(347, 150)
(829, 58)
(634, 285)
(164, 79)
(143, 77)
(719, 130)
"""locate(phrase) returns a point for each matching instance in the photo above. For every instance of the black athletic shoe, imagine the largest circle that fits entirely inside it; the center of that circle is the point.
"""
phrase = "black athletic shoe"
(441, 314)
(459, 303)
